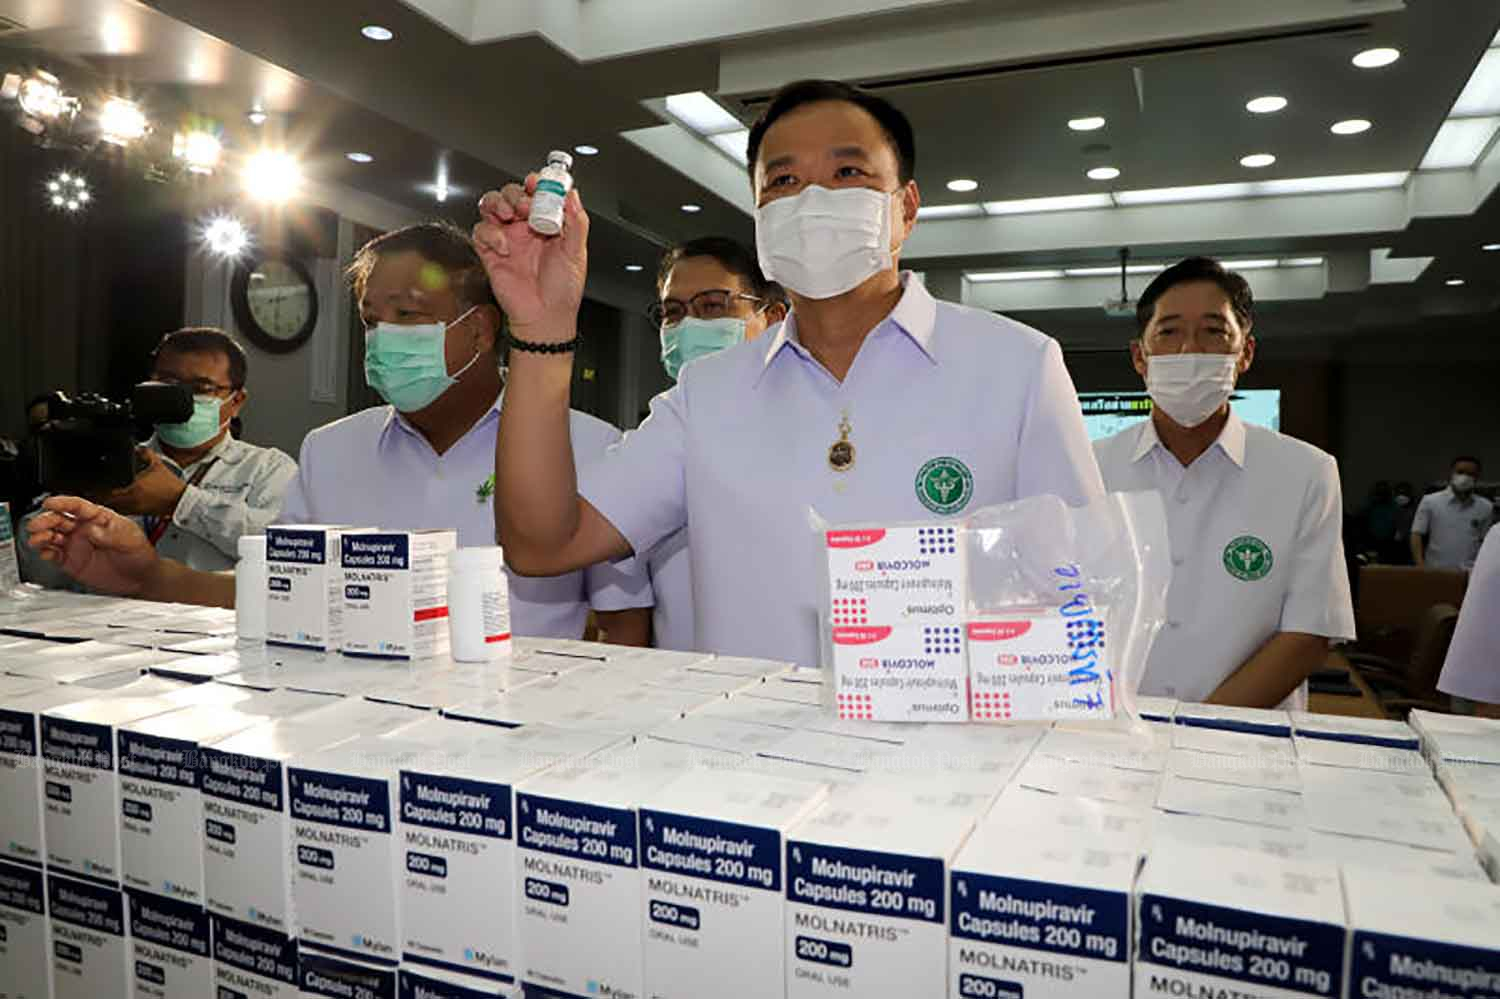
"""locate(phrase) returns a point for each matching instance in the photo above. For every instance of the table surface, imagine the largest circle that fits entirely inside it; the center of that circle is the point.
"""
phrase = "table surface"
(1363, 706)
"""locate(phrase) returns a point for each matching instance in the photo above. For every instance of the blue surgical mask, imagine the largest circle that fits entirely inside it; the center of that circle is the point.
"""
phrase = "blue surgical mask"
(694, 338)
(408, 365)
(199, 429)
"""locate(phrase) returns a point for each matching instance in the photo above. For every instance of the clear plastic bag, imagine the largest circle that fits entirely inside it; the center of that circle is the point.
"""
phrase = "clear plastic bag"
(1028, 611)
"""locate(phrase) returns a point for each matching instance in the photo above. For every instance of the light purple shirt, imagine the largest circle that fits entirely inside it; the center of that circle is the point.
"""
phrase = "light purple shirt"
(737, 452)
(374, 469)
(1472, 668)
(672, 583)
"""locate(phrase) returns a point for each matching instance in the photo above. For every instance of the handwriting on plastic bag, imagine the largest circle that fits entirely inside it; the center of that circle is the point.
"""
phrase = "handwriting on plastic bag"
(1085, 635)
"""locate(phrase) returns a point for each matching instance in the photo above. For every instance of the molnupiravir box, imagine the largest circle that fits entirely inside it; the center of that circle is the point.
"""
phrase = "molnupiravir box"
(252, 961)
(712, 858)
(89, 949)
(900, 673)
(867, 897)
(1218, 921)
(1046, 916)
(580, 917)
(1038, 667)
(169, 950)
(25, 961)
(305, 586)
(896, 575)
(323, 976)
(395, 587)
(421, 982)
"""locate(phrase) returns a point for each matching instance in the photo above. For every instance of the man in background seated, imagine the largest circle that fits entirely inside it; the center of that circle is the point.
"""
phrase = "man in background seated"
(432, 335)
(1259, 585)
(1451, 524)
(711, 295)
(201, 489)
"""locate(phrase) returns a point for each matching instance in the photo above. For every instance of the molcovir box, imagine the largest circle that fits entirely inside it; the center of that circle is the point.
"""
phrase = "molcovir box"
(395, 586)
(906, 673)
(1039, 666)
(896, 575)
(304, 586)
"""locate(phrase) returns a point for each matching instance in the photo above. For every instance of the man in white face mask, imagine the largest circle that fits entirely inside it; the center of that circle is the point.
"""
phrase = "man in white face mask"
(1259, 584)
(872, 401)
(1451, 524)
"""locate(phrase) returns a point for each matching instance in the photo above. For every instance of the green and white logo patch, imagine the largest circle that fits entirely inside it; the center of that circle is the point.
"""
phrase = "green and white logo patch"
(945, 485)
(1248, 558)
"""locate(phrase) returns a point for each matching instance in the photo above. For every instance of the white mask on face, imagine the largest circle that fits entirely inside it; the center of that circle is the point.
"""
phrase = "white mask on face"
(1191, 387)
(821, 243)
(1462, 483)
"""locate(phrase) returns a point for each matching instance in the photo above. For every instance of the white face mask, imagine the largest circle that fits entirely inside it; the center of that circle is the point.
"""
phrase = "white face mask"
(821, 243)
(1463, 483)
(1191, 387)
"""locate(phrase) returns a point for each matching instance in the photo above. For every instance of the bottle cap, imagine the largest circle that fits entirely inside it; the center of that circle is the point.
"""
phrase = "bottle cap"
(483, 558)
(558, 156)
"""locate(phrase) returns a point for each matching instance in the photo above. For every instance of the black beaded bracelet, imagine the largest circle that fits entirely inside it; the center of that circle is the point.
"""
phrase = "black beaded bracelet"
(566, 347)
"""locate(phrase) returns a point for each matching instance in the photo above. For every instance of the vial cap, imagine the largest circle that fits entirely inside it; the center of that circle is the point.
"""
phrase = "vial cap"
(482, 558)
(558, 156)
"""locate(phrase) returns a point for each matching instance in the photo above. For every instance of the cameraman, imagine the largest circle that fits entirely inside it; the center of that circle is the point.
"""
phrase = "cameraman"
(201, 489)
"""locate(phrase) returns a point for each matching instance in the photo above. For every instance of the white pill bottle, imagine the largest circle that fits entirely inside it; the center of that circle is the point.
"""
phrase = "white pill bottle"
(552, 187)
(250, 589)
(478, 605)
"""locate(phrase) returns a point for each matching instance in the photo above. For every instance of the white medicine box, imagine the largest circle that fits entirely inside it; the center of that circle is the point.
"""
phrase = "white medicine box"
(900, 673)
(25, 964)
(88, 939)
(169, 952)
(1039, 666)
(304, 586)
(396, 593)
(896, 575)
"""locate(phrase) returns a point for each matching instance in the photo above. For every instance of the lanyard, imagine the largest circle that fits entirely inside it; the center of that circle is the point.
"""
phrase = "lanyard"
(159, 525)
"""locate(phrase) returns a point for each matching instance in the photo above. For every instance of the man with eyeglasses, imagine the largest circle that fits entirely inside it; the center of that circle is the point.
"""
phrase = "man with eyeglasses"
(201, 489)
(711, 295)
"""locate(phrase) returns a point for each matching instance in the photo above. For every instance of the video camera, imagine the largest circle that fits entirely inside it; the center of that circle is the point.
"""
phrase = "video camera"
(88, 444)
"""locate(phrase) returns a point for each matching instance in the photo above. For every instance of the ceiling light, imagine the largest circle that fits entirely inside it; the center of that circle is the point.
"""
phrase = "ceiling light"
(1104, 173)
(1065, 203)
(1376, 58)
(586, 150)
(1490, 247)
(257, 116)
(1257, 160)
(692, 209)
(736, 145)
(1454, 282)
(121, 122)
(225, 236)
(1114, 271)
(1264, 188)
(1303, 262)
(272, 175)
(377, 33)
(1350, 126)
(359, 157)
(440, 191)
(702, 113)
(1459, 143)
(68, 191)
(199, 149)
(57, 200)
(963, 185)
(988, 276)
(950, 211)
(1090, 124)
(1250, 265)
(634, 268)
(1482, 93)
(42, 98)
(1266, 105)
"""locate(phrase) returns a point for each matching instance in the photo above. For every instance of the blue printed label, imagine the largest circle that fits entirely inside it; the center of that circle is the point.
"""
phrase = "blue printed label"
(577, 830)
(169, 923)
(255, 950)
(138, 810)
(426, 865)
(291, 545)
(673, 914)
(153, 758)
(221, 832)
(1386, 965)
(152, 974)
(547, 891)
(982, 987)
(75, 743)
(314, 856)
(64, 951)
(879, 884)
(88, 906)
(337, 800)
(327, 976)
(59, 792)
(749, 856)
(1285, 953)
(279, 584)
(1358, 739)
(828, 952)
(22, 889)
(375, 551)
(473, 807)
(1037, 915)
(356, 593)
(18, 733)
(245, 780)
(415, 985)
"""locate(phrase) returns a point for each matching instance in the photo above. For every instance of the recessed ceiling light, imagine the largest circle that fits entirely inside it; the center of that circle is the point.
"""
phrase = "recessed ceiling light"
(1460, 142)
(988, 276)
(1032, 206)
(586, 150)
(949, 211)
(1350, 126)
(1257, 160)
(377, 33)
(1454, 282)
(702, 113)
(1376, 58)
(1266, 105)
(1104, 173)
(963, 185)
(691, 209)
(1490, 247)
(359, 157)
(633, 268)
(1090, 124)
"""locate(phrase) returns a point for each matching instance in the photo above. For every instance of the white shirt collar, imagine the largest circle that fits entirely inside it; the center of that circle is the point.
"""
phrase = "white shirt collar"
(915, 315)
(1231, 440)
(397, 419)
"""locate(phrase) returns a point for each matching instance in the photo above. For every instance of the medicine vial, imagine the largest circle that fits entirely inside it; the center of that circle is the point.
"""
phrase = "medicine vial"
(552, 188)
(478, 605)
(250, 589)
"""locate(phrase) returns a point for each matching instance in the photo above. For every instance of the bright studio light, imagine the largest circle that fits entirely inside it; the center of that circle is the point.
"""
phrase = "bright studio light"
(225, 236)
(121, 121)
(272, 175)
(67, 192)
(199, 149)
(41, 97)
